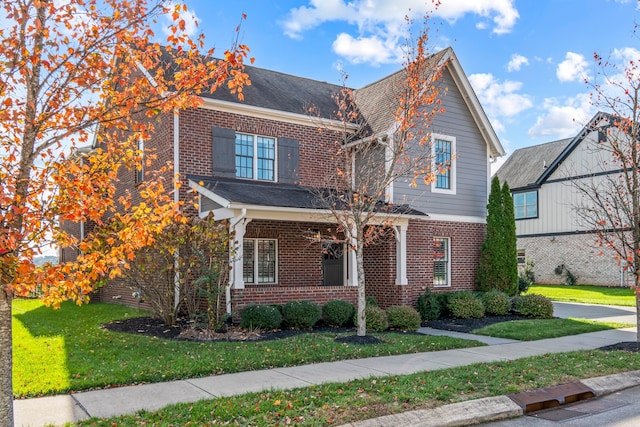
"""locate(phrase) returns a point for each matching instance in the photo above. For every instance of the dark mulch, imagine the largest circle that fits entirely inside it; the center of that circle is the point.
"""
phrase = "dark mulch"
(184, 331)
(468, 325)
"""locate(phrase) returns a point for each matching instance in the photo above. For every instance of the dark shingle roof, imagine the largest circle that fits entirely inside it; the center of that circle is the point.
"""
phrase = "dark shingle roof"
(260, 193)
(283, 92)
(526, 165)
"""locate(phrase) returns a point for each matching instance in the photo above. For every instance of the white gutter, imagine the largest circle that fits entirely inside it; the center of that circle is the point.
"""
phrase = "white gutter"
(176, 199)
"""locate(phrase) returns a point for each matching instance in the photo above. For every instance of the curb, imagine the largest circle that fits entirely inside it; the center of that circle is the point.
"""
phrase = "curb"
(489, 408)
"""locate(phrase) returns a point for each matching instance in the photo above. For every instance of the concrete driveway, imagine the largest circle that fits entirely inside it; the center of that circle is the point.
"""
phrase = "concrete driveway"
(603, 313)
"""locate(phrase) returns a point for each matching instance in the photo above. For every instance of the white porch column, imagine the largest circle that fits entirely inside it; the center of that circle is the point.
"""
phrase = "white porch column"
(401, 254)
(236, 277)
(352, 264)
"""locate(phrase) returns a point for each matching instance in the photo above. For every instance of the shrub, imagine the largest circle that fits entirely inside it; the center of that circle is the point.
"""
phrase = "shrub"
(337, 312)
(430, 305)
(533, 305)
(465, 305)
(260, 316)
(301, 314)
(526, 277)
(376, 319)
(496, 302)
(403, 317)
(371, 301)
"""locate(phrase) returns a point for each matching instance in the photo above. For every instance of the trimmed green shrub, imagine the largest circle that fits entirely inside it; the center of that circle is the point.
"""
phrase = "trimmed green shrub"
(301, 314)
(260, 316)
(430, 305)
(376, 319)
(371, 301)
(403, 317)
(533, 305)
(465, 305)
(337, 312)
(496, 303)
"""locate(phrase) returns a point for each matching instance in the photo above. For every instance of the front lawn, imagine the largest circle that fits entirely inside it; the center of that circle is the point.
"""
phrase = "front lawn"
(339, 403)
(586, 294)
(57, 351)
(539, 329)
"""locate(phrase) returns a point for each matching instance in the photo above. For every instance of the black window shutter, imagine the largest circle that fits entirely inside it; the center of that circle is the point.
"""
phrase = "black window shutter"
(288, 161)
(224, 156)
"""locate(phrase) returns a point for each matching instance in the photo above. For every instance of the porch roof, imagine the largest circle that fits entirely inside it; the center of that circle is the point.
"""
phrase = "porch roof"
(236, 193)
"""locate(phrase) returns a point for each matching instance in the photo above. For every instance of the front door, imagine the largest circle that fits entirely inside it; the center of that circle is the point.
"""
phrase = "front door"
(333, 265)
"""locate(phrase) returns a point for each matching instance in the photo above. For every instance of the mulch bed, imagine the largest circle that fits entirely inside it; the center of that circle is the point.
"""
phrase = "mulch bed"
(150, 326)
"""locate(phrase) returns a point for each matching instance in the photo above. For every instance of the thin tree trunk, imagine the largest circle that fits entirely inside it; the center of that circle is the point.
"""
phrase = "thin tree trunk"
(637, 292)
(6, 383)
(362, 295)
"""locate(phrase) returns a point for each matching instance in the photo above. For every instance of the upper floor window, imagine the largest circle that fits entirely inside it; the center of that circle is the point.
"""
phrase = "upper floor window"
(255, 157)
(525, 204)
(140, 165)
(443, 154)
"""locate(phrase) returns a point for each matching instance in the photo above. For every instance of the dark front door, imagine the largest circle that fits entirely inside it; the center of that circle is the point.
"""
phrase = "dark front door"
(333, 266)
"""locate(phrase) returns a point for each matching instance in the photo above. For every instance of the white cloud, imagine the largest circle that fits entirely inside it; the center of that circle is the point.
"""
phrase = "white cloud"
(382, 22)
(362, 49)
(189, 17)
(573, 68)
(499, 99)
(516, 62)
(563, 120)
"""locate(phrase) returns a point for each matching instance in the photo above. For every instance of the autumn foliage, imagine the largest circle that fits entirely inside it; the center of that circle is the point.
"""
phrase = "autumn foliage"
(88, 73)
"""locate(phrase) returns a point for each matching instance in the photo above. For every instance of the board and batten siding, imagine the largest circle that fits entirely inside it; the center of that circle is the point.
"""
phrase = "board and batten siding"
(558, 197)
(471, 168)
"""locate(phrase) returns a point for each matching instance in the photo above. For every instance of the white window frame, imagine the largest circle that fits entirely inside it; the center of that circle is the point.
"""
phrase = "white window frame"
(255, 157)
(448, 260)
(453, 175)
(256, 272)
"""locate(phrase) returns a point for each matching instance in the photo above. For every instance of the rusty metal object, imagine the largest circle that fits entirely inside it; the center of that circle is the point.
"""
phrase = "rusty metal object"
(551, 397)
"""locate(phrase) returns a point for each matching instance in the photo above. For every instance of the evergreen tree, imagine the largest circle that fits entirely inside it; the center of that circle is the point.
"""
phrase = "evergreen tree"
(498, 267)
(492, 247)
(510, 261)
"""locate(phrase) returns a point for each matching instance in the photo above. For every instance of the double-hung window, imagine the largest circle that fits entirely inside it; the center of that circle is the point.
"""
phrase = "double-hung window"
(525, 204)
(443, 154)
(441, 261)
(260, 260)
(255, 157)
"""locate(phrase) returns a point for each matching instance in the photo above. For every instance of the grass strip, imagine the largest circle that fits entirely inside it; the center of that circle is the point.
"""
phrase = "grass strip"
(539, 329)
(58, 351)
(586, 294)
(336, 404)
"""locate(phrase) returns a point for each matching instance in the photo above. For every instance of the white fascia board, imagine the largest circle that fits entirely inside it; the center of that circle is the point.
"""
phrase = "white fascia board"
(281, 116)
(209, 194)
(457, 218)
(477, 112)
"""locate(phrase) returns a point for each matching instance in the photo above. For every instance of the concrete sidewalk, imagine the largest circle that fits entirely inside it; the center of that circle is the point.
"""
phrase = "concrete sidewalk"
(127, 400)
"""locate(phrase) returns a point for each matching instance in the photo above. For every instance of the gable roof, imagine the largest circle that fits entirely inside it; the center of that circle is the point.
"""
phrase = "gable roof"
(531, 166)
(526, 165)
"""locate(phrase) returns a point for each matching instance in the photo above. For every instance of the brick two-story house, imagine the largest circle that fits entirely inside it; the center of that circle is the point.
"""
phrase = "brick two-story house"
(254, 162)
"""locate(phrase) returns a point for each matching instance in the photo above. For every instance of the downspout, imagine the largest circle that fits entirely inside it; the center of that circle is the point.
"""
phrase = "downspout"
(176, 199)
(231, 282)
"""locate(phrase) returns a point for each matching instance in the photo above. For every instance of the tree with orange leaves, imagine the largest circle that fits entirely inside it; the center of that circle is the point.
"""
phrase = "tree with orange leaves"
(71, 71)
(385, 137)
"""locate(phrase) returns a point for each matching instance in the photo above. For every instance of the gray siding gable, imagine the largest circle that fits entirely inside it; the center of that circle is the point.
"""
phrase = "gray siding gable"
(471, 163)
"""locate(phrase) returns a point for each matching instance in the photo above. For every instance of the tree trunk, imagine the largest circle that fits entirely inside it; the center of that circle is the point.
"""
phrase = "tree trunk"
(6, 383)
(362, 295)
(637, 292)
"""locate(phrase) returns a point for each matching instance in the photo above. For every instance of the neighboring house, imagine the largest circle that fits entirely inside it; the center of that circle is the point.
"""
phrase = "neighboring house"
(254, 162)
(550, 233)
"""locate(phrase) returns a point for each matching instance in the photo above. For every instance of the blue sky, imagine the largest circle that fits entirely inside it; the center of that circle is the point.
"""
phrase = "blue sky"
(526, 59)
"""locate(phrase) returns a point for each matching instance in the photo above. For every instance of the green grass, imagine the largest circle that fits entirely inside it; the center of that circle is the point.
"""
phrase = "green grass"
(57, 351)
(336, 404)
(586, 294)
(539, 329)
